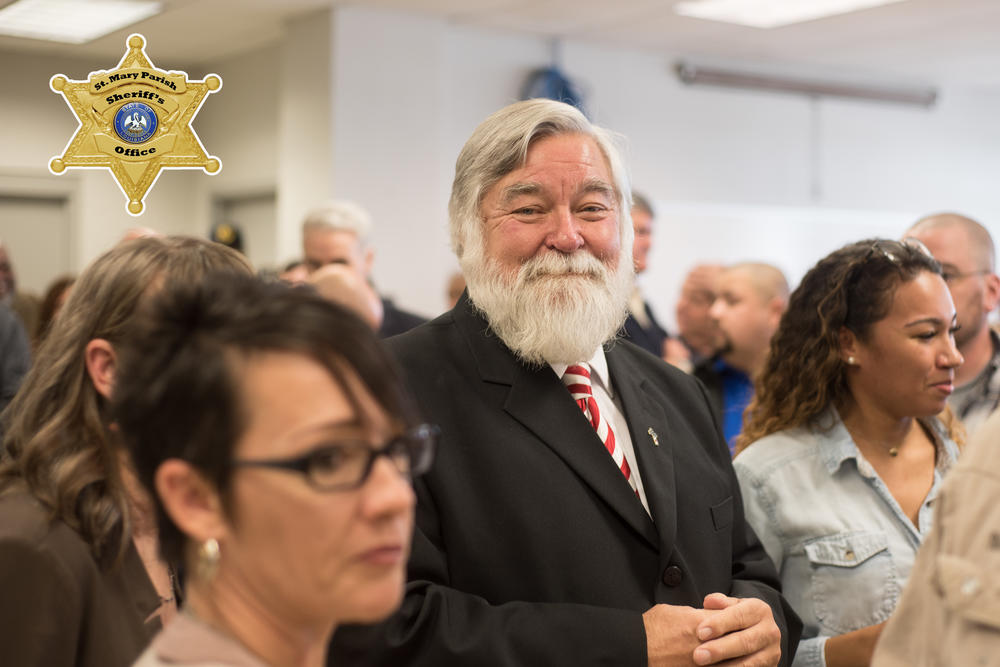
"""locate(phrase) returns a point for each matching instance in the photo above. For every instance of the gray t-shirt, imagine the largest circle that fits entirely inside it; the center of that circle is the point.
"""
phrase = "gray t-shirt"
(974, 401)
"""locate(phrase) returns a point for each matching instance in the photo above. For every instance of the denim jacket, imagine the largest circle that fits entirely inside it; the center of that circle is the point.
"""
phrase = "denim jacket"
(840, 541)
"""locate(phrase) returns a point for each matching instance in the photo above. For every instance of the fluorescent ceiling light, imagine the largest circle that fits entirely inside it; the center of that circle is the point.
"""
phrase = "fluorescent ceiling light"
(72, 21)
(772, 13)
(693, 74)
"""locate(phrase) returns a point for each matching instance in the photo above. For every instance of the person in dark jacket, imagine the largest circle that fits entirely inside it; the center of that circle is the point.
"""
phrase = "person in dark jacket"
(641, 326)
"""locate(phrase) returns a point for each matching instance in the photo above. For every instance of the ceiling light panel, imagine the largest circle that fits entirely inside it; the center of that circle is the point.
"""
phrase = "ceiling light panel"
(72, 21)
(772, 13)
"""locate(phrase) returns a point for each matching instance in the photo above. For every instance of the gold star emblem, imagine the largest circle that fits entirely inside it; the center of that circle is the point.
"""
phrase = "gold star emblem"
(135, 120)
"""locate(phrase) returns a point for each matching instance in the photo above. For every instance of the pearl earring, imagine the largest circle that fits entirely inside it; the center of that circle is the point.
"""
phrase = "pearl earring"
(851, 361)
(208, 559)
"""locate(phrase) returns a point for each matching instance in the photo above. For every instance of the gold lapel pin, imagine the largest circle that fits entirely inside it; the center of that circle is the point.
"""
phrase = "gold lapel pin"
(652, 434)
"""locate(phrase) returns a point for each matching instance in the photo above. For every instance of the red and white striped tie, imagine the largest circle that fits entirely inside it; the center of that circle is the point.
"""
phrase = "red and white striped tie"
(577, 380)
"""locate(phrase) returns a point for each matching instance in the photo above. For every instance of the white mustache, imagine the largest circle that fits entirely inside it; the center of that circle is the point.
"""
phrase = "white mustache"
(552, 264)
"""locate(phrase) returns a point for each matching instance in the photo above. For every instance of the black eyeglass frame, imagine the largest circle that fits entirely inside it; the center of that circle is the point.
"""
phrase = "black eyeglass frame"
(952, 276)
(418, 443)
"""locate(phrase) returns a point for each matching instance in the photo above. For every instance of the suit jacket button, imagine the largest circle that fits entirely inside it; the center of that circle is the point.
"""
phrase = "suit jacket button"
(672, 576)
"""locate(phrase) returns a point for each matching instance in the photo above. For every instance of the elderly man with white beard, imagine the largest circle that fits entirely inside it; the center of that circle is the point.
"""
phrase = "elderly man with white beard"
(582, 509)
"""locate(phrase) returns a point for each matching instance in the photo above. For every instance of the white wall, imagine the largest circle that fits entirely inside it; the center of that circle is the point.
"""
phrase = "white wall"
(239, 122)
(391, 97)
(736, 174)
(305, 89)
(740, 175)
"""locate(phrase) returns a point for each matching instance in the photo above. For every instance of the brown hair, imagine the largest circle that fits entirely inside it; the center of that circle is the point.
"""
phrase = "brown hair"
(804, 375)
(179, 392)
(57, 442)
(50, 306)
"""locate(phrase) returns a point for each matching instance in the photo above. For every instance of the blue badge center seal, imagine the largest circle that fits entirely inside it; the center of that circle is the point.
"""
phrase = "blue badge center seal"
(135, 122)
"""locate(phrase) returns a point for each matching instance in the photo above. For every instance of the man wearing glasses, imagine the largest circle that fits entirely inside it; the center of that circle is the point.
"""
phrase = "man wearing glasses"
(965, 249)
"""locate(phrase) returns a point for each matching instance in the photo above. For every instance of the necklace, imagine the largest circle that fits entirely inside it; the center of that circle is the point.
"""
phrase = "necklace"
(891, 450)
(173, 587)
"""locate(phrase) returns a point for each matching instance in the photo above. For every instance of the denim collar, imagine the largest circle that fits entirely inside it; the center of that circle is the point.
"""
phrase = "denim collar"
(840, 445)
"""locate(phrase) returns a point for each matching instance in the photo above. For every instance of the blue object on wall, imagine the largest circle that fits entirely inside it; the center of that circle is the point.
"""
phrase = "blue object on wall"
(552, 84)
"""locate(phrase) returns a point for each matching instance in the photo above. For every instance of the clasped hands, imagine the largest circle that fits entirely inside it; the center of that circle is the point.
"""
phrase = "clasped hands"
(727, 631)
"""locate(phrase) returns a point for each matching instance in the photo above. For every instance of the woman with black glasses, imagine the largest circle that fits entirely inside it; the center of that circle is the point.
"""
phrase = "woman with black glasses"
(272, 426)
(848, 437)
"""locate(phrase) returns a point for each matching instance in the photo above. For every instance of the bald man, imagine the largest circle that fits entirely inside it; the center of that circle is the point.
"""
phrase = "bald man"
(965, 250)
(695, 326)
(750, 299)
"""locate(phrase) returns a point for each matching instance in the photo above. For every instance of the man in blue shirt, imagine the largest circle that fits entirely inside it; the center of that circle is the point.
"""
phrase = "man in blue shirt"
(750, 299)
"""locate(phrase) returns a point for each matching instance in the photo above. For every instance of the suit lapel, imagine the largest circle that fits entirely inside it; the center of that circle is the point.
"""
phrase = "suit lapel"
(539, 401)
(654, 451)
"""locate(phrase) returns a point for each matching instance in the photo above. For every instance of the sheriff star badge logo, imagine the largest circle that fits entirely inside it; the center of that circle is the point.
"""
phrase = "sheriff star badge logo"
(135, 120)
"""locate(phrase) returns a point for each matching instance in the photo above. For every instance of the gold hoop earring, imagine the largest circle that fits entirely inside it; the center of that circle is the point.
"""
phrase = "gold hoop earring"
(208, 559)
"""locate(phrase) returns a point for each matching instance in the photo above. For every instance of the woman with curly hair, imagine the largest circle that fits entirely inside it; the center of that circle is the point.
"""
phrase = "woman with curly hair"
(848, 437)
(82, 584)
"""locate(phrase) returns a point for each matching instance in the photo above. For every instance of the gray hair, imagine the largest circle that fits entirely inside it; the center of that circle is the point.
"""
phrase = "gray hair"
(342, 216)
(500, 145)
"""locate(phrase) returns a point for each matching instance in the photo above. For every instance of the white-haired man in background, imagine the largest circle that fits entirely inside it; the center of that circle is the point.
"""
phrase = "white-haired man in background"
(338, 233)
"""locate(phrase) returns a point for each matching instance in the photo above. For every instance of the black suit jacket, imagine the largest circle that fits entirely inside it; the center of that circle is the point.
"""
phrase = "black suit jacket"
(530, 547)
(648, 338)
(705, 371)
(396, 321)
